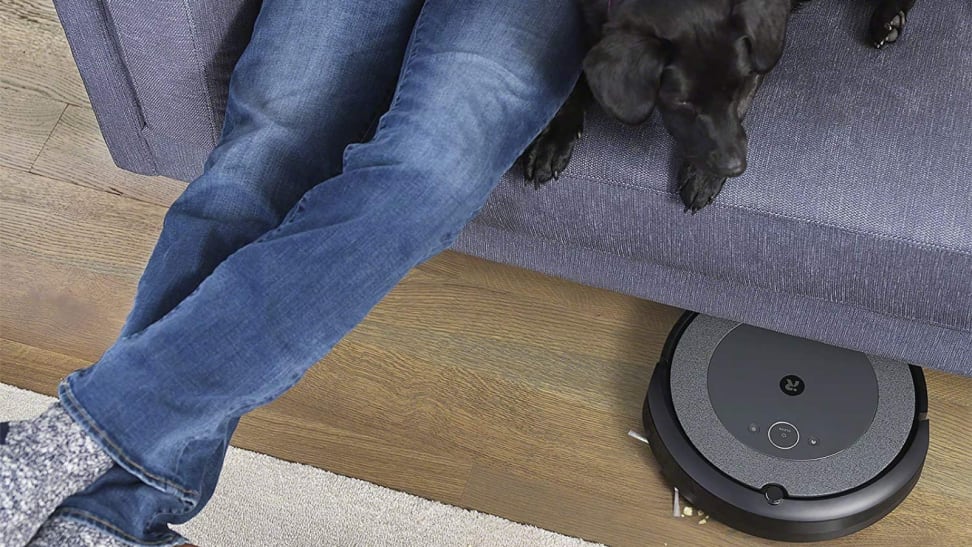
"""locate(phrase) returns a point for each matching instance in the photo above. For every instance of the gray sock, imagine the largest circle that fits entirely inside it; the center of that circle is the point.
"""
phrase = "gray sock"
(63, 532)
(42, 462)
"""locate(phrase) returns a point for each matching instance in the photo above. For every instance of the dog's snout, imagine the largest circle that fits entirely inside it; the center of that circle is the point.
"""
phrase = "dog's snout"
(728, 164)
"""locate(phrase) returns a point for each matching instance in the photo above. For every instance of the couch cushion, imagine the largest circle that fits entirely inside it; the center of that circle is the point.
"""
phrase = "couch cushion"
(852, 225)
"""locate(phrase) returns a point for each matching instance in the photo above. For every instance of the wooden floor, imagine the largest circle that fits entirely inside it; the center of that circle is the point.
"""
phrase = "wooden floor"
(473, 383)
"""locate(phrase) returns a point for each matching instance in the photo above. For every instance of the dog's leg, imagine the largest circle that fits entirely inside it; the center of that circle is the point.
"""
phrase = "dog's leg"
(548, 154)
(888, 21)
(699, 187)
(747, 94)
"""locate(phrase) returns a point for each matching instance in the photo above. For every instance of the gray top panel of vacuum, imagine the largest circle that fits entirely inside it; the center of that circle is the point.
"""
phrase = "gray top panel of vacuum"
(815, 402)
(768, 408)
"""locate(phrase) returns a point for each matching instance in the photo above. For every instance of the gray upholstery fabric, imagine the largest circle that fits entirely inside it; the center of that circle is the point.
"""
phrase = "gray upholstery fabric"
(853, 224)
(89, 31)
(157, 74)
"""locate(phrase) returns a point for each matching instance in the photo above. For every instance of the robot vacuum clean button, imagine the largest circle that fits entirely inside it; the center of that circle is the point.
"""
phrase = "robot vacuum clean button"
(783, 435)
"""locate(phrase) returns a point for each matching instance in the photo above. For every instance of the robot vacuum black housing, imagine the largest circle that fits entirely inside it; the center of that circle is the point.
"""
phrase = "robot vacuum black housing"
(783, 437)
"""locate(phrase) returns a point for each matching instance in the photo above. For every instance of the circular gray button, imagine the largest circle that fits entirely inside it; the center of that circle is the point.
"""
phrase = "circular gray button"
(774, 493)
(783, 435)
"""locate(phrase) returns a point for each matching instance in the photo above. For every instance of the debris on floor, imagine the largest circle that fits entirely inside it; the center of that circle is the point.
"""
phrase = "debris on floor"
(684, 510)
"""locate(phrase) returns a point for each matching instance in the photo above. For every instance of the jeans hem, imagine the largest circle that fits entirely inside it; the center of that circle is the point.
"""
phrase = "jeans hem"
(171, 539)
(77, 412)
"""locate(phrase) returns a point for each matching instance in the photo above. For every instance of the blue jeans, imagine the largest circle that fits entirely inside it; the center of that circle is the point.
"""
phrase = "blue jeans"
(310, 210)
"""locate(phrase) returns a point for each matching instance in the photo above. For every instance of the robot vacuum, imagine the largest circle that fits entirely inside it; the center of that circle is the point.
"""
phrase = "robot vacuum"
(783, 437)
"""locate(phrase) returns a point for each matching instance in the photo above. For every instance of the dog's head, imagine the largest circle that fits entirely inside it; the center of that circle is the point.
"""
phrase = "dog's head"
(693, 59)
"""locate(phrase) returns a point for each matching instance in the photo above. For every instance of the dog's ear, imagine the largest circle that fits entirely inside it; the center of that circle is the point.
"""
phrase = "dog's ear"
(764, 24)
(624, 72)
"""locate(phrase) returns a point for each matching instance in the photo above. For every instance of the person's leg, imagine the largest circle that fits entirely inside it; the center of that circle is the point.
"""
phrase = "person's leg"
(314, 78)
(480, 80)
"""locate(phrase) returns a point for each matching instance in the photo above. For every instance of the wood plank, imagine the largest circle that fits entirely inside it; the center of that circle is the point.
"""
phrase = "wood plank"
(76, 225)
(393, 395)
(34, 53)
(949, 461)
(544, 348)
(498, 489)
(59, 307)
(418, 471)
(36, 369)
(510, 487)
(503, 489)
(76, 152)
(948, 387)
(26, 122)
(69, 260)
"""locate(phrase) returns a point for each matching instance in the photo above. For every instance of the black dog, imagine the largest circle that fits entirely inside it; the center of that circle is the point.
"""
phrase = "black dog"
(699, 62)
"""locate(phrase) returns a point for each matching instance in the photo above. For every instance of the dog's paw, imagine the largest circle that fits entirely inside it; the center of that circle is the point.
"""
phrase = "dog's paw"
(548, 155)
(886, 27)
(697, 187)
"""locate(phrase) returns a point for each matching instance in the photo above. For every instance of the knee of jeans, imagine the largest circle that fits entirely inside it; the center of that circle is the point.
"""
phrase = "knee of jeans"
(274, 153)
(445, 185)
(226, 201)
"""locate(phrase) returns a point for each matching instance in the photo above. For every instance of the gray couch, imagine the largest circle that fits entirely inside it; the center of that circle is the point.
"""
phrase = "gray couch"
(853, 224)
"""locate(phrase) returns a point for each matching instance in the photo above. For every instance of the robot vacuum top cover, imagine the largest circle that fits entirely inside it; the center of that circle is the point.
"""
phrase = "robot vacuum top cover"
(784, 437)
(768, 408)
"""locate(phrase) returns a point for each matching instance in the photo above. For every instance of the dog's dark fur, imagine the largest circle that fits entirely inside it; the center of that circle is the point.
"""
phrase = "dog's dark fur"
(699, 62)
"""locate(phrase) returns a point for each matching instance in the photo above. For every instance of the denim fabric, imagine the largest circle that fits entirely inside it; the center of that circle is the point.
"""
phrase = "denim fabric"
(290, 236)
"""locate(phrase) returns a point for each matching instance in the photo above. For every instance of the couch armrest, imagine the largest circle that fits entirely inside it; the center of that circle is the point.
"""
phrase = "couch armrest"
(157, 74)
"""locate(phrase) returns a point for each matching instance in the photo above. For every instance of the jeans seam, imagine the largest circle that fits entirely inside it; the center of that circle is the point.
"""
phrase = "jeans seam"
(410, 54)
(107, 527)
(289, 219)
(138, 334)
(74, 408)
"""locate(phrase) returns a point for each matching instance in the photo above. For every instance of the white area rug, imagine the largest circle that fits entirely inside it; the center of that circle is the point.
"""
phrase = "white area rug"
(265, 501)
